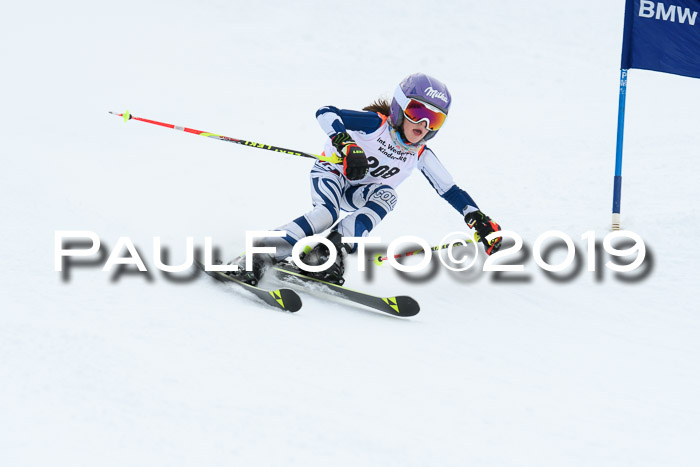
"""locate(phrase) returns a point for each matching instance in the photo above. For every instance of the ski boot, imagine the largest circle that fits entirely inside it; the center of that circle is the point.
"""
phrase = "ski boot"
(261, 263)
(319, 255)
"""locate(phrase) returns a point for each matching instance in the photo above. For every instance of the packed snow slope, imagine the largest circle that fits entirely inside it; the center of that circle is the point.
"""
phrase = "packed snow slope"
(577, 368)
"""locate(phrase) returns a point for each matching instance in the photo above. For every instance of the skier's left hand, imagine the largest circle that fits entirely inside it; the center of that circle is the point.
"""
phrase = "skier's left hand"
(484, 226)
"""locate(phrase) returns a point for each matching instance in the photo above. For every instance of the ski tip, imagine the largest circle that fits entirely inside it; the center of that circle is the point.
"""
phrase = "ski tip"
(402, 306)
(287, 299)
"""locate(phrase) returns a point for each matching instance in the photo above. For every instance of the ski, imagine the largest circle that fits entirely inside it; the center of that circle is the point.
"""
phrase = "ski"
(284, 299)
(403, 306)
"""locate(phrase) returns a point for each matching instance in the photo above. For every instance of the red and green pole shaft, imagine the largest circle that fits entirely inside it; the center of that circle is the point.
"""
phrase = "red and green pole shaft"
(333, 159)
(378, 259)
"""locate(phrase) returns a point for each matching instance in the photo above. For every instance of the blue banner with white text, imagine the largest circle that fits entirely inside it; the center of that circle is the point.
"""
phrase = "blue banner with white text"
(662, 35)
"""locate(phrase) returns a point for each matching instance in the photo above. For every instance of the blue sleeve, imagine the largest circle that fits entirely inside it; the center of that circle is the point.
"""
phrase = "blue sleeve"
(459, 199)
(334, 120)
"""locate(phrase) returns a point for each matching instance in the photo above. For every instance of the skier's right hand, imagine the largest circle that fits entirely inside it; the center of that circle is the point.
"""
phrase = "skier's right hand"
(355, 165)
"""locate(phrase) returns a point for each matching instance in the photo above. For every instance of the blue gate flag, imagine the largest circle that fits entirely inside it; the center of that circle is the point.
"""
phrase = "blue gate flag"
(662, 35)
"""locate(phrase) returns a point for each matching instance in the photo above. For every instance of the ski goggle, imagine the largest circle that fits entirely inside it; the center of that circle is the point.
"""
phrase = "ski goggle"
(417, 111)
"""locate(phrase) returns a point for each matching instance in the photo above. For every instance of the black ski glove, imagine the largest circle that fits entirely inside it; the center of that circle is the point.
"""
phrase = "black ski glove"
(355, 164)
(484, 226)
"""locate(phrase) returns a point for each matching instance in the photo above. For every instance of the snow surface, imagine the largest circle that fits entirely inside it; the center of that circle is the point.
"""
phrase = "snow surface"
(140, 370)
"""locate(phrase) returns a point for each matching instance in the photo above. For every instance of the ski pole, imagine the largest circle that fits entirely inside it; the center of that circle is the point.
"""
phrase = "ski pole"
(378, 259)
(333, 159)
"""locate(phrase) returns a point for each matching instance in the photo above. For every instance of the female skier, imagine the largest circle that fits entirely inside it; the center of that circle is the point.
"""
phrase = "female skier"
(379, 146)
